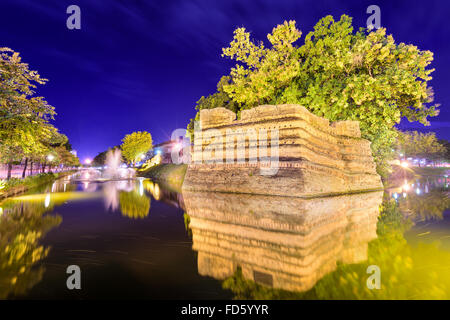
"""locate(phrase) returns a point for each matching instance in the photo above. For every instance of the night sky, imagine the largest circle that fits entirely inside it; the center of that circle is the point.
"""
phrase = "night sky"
(142, 65)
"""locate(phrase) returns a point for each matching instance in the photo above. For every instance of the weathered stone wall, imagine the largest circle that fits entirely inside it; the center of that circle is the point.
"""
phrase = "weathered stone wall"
(314, 157)
(291, 242)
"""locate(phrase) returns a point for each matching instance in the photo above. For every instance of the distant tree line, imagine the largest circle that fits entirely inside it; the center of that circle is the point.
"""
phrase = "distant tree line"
(134, 147)
(422, 145)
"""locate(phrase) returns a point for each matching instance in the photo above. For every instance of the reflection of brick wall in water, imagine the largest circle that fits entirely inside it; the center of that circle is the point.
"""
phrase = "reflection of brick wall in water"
(313, 156)
(285, 243)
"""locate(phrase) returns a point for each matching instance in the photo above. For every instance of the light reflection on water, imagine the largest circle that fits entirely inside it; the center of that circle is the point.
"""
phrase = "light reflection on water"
(254, 247)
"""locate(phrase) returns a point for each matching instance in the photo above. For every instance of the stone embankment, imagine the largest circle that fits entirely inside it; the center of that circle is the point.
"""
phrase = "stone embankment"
(281, 150)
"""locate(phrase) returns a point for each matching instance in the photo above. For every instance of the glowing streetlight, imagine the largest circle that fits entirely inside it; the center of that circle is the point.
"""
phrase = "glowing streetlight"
(87, 161)
(50, 157)
(404, 164)
(47, 200)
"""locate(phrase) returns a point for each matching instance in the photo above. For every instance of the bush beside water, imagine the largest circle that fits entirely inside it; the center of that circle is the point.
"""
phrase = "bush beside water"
(16, 185)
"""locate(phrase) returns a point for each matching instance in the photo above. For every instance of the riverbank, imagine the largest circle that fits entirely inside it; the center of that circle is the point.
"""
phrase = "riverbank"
(400, 174)
(170, 175)
(15, 186)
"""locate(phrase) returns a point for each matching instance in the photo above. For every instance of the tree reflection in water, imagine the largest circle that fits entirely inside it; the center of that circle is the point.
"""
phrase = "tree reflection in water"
(134, 205)
(133, 197)
(428, 206)
(22, 225)
(267, 249)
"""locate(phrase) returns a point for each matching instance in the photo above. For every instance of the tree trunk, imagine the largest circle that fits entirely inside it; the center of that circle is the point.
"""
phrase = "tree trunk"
(31, 167)
(9, 171)
(24, 172)
(43, 167)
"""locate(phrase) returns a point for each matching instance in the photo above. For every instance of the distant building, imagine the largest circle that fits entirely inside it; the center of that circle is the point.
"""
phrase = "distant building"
(166, 148)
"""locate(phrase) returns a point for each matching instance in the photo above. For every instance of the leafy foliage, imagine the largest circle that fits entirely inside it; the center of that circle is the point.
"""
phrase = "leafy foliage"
(135, 145)
(22, 115)
(25, 131)
(337, 73)
(423, 145)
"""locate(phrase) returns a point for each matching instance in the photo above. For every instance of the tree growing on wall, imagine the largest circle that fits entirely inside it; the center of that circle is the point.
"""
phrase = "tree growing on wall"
(337, 73)
(136, 145)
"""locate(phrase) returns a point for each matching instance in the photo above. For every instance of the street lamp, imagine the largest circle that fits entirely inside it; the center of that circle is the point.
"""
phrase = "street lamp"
(50, 158)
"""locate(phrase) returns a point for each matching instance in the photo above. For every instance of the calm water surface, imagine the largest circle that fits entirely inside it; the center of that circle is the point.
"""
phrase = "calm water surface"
(136, 239)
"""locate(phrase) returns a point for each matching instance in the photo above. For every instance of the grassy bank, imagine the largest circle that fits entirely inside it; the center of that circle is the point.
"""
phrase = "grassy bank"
(15, 186)
(170, 175)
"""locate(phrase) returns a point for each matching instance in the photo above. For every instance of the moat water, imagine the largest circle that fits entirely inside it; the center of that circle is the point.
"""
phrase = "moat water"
(136, 239)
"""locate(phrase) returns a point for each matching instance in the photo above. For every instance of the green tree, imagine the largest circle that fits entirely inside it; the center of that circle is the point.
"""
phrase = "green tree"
(422, 145)
(446, 144)
(22, 115)
(136, 145)
(338, 74)
(100, 158)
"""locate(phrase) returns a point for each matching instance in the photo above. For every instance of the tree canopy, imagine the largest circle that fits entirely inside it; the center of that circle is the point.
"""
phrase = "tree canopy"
(421, 145)
(136, 145)
(336, 73)
(25, 131)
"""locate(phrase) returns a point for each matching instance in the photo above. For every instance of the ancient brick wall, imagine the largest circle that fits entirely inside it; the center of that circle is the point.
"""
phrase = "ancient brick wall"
(311, 156)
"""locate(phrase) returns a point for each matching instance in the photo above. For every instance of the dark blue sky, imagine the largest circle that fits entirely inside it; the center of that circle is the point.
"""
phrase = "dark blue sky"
(141, 65)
